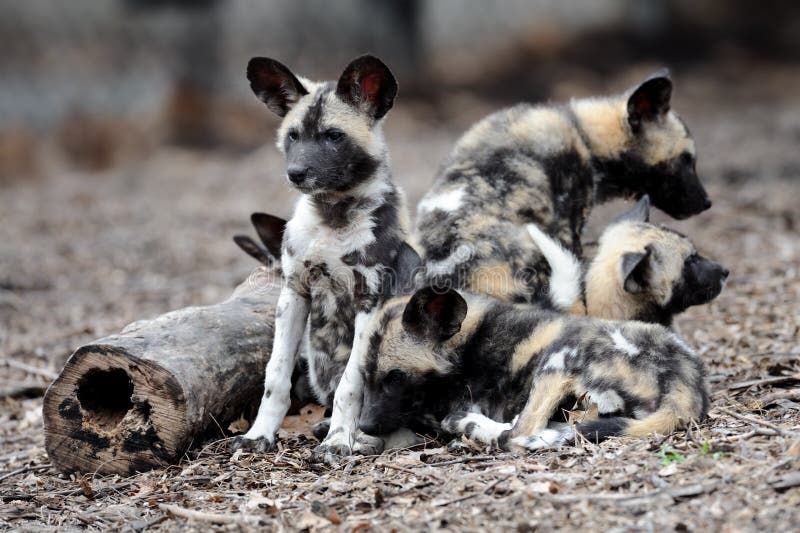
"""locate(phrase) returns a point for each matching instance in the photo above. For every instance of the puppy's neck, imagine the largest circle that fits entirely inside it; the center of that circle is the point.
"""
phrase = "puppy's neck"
(340, 209)
(603, 126)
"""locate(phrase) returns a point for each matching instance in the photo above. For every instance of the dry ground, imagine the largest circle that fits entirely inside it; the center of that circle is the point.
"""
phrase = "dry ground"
(81, 255)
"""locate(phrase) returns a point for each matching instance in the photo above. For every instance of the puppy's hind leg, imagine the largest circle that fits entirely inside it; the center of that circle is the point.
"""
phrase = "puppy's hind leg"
(530, 432)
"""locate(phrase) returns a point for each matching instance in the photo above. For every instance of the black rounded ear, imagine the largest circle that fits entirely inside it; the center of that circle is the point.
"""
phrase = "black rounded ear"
(435, 314)
(638, 213)
(650, 100)
(368, 85)
(404, 270)
(252, 249)
(274, 84)
(270, 230)
(635, 266)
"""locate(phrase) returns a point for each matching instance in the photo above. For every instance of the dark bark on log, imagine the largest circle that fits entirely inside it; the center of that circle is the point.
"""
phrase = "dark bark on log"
(137, 400)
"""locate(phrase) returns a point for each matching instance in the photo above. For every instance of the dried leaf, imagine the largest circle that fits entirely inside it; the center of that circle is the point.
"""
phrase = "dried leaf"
(304, 422)
(240, 425)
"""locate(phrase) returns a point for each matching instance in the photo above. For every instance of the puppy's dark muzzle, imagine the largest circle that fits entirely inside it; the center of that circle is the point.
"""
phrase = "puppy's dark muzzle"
(297, 175)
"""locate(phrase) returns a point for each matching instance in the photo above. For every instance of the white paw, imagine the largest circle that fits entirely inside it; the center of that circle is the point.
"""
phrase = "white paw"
(334, 448)
(367, 444)
(546, 438)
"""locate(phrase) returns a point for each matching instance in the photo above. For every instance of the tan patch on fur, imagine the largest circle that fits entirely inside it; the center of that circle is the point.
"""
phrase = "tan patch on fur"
(603, 122)
(545, 396)
(400, 351)
(542, 336)
(294, 117)
(536, 192)
(356, 125)
(476, 309)
(606, 296)
(666, 140)
(492, 279)
(637, 383)
(475, 137)
(663, 421)
(543, 127)
(578, 309)
(682, 404)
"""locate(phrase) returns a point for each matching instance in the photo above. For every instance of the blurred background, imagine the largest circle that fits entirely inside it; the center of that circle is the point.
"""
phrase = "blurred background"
(131, 147)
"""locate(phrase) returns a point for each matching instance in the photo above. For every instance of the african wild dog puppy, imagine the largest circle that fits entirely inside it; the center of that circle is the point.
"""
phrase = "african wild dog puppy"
(474, 362)
(641, 272)
(338, 248)
(549, 165)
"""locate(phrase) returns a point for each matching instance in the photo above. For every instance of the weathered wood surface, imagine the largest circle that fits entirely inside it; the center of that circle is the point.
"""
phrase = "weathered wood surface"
(137, 400)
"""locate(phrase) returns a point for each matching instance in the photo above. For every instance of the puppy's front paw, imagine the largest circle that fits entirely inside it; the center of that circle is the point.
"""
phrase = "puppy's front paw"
(255, 445)
(367, 444)
(330, 454)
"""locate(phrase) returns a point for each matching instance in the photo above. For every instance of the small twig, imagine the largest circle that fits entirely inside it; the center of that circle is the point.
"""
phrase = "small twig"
(24, 470)
(200, 516)
(785, 482)
(30, 369)
(23, 390)
(680, 492)
(764, 381)
(489, 487)
(466, 459)
(791, 394)
(751, 420)
(142, 525)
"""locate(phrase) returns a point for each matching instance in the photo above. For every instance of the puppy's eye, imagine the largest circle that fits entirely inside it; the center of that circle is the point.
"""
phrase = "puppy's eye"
(292, 135)
(334, 135)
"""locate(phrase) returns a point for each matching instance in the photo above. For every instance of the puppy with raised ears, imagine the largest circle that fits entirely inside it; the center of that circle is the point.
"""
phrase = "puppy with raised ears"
(338, 248)
(549, 165)
(474, 363)
(641, 271)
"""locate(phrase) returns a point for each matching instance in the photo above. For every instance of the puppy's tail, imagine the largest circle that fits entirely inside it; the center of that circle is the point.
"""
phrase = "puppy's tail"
(566, 275)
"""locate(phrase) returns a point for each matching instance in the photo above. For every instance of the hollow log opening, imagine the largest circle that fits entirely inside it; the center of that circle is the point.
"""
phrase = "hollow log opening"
(105, 397)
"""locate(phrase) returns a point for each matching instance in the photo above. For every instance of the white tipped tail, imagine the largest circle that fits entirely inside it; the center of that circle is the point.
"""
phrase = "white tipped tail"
(566, 274)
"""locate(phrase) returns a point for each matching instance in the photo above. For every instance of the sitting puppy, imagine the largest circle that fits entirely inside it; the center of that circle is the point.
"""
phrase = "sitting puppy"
(640, 272)
(469, 361)
(549, 165)
(339, 248)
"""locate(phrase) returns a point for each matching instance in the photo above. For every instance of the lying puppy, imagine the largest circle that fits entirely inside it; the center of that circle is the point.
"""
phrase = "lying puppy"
(339, 248)
(470, 361)
(640, 272)
(549, 165)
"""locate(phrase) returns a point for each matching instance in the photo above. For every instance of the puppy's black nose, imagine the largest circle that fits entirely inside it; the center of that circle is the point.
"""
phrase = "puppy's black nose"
(707, 203)
(725, 273)
(297, 174)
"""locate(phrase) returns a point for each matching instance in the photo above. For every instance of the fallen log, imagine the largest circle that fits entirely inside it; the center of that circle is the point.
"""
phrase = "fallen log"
(137, 400)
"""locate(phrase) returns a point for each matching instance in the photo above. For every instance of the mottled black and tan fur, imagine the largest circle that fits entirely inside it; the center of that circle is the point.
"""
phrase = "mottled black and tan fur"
(339, 247)
(641, 271)
(549, 165)
(476, 363)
